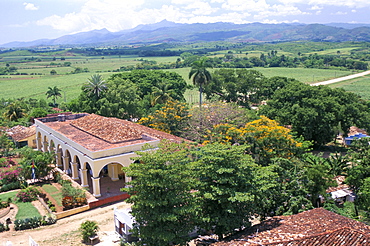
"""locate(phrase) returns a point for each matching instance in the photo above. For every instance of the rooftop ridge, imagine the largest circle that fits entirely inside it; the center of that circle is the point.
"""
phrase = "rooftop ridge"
(111, 130)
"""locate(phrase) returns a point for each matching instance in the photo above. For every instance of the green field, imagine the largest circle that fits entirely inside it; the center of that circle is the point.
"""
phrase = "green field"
(360, 86)
(35, 86)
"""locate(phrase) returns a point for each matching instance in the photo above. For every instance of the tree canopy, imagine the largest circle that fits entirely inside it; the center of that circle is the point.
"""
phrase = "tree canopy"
(130, 94)
(316, 112)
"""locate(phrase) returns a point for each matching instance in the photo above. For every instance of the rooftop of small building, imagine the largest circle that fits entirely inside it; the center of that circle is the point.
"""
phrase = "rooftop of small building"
(18, 133)
(309, 228)
(96, 133)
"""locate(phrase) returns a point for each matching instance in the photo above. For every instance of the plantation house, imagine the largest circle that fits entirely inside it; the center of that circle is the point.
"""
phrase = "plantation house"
(89, 146)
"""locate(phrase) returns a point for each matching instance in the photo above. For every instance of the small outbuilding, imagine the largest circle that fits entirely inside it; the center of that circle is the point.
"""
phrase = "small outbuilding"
(23, 136)
(124, 222)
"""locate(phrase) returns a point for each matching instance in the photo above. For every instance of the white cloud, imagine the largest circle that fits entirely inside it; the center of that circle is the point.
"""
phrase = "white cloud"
(30, 6)
(279, 10)
(316, 7)
(114, 15)
(339, 13)
(343, 3)
(201, 8)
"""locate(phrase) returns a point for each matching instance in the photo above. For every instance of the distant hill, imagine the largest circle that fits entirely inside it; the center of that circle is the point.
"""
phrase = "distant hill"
(166, 31)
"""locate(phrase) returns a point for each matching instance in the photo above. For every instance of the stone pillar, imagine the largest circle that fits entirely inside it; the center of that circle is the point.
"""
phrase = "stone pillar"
(83, 175)
(59, 158)
(74, 170)
(65, 163)
(96, 186)
(113, 172)
(46, 146)
(38, 143)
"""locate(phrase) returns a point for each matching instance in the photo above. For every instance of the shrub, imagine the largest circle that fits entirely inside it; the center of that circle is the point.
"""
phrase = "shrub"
(4, 227)
(28, 195)
(72, 196)
(29, 223)
(4, 204)
(11, 186)
(88, 229)
(9, 175)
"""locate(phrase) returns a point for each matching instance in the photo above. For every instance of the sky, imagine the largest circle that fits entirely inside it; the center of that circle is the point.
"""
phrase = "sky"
(27, 20)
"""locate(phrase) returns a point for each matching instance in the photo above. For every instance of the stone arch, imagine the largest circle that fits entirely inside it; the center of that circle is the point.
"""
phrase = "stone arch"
(110, 180)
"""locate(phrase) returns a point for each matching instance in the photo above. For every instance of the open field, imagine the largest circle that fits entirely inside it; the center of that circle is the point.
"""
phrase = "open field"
(359, 86)
(35, 86)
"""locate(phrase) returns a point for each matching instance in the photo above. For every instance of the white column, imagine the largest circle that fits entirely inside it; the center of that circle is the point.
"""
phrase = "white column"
(59, 158)
(38, 143)
(83, 175)
(114, 172)
(46, 144)
(65, 163)
(74, 171)
(96, 186)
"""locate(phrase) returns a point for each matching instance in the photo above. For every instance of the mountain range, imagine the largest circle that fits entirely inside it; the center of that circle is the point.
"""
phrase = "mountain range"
(166, 31)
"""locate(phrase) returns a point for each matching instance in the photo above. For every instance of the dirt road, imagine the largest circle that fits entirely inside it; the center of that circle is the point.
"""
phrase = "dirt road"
(342, 78)
(65, 231)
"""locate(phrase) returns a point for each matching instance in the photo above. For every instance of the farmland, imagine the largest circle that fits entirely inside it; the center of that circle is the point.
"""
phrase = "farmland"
(69, 69)
(35, 86)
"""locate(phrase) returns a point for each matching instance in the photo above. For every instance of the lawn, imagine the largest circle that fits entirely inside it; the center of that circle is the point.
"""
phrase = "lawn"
(54, 193)
(25, 209)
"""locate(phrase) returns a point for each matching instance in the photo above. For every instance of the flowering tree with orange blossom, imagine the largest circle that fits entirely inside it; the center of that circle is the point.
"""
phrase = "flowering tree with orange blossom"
(170, 118)
(265, 138)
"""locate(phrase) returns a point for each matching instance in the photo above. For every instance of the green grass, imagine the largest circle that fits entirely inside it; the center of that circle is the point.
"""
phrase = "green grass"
(35, 86)
(359, 86)
(53, 192)
(25, 209)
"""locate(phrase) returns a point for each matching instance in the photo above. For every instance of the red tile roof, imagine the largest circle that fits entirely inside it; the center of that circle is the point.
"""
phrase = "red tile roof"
(21, 132)
(91, 135)
(316, 227)
(111, 130)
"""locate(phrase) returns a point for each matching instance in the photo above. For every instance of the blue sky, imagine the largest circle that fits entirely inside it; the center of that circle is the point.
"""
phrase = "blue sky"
(27, 20)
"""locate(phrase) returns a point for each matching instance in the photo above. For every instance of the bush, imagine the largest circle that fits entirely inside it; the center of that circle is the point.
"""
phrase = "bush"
(4, 227)
(30, 223)
(88, 229)
(11, 186)
(28, 195)
(9, 175)
(72, 197)
(4, 204)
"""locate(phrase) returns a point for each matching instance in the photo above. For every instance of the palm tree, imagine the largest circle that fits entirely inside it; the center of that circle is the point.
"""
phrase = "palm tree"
(161, 93)
(96, 85)
(201, 76)
(14, 111)
(53, 92)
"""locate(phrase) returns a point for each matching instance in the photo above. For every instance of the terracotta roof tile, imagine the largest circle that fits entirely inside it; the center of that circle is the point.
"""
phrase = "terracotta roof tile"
(311, 228)
(111, 130)
(94, 137)
(21, 132)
